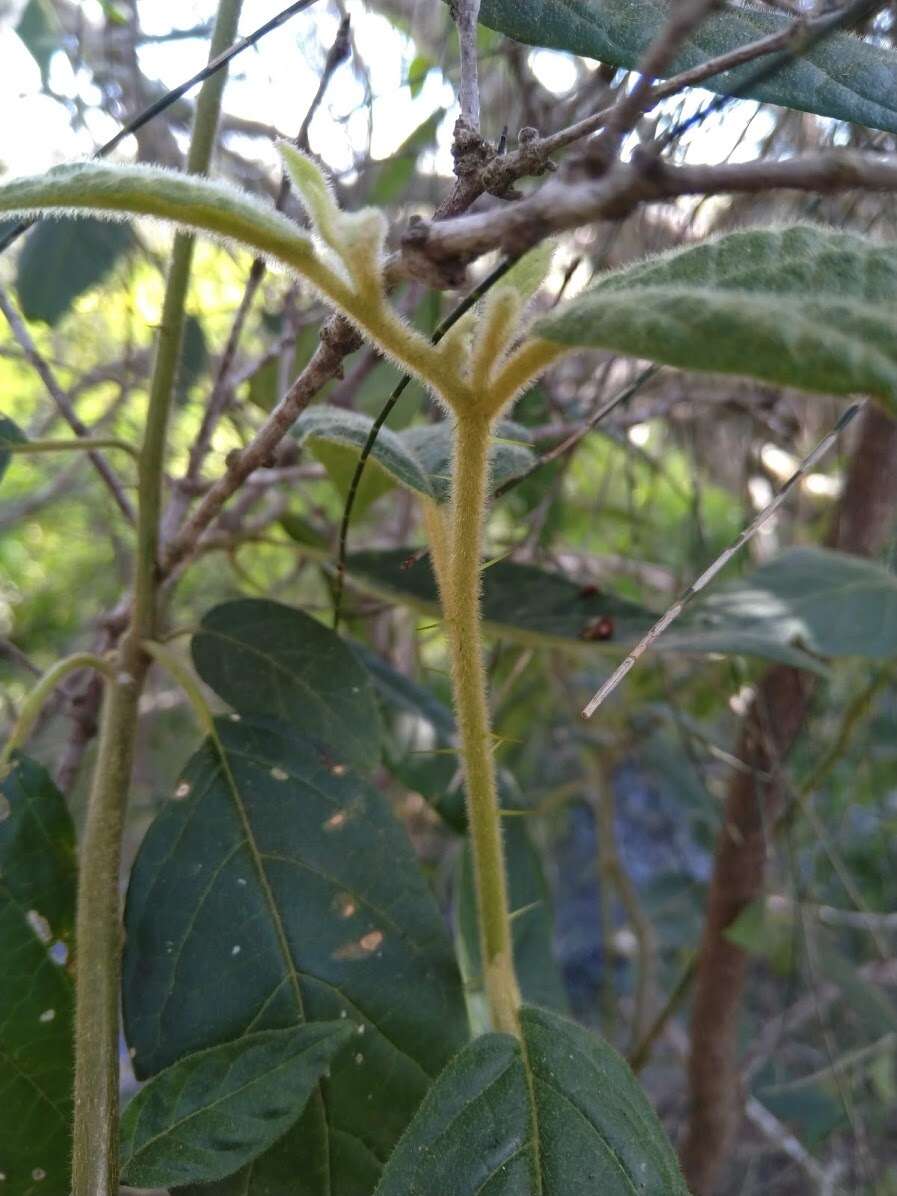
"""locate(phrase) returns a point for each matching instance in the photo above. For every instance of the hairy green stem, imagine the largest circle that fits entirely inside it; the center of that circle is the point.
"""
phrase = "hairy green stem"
(461, 598)
(95, 1164)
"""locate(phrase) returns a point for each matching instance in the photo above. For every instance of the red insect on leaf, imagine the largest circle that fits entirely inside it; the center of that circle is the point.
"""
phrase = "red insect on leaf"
(598, 629)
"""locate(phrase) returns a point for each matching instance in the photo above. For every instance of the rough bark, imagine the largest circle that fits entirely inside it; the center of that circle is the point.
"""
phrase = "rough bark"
(863, 525)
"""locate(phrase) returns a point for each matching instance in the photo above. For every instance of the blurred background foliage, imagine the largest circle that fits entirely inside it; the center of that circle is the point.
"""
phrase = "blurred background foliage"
(623, 810)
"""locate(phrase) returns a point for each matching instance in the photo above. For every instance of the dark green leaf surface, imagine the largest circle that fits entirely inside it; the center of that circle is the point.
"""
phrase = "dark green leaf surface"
(36, 993)
(37, 847)
(803, 306)
(10, 433)
(841, 76)
(805, 605)
(522, 601)
(213, 1112)
(828, 603)
(62, 259)
(566, 1119)
(280, 890)
(263, 657)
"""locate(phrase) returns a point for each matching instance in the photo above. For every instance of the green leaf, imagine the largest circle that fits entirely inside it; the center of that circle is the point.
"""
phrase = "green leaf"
(211, 1113)
(41, 32)
(533, 606)
(521, 602)
(37, 847)
(841, 76)
(63, 259)
(279, 890)
(812, 599)
(510, 455)
(194, 358)
(803, 306)
(418, 458)
(334, 427)
(10, 433)
(531, 918)
(263, 657)
(420, 67)
(190, 201)
(565, 1118)
(37, 865)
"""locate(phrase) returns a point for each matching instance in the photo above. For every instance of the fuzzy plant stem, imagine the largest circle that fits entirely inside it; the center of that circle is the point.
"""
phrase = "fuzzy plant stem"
(95, 1165)
(461, 598)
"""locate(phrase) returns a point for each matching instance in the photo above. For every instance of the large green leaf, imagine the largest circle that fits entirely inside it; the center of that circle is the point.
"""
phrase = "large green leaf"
(803, 306)
(564, 1117)
(36, 992)
(211, 1113)
(418, 458)
(10, 433)
(806, 605)
(280, 890)
(333, 428)
(522, 601)
(62, 259)
(841, 76)
(266, 658)
(823, 602)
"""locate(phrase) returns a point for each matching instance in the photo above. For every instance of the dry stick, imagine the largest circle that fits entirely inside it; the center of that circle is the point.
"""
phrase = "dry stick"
(674, 611)
(324, 365)
(385, 411)
(61, 399)
(171, 97)
(558, 207)
(466, 14)
(685, 17)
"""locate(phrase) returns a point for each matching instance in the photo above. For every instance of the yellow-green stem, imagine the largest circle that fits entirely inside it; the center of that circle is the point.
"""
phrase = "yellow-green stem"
(95, 1161)
(463, 626)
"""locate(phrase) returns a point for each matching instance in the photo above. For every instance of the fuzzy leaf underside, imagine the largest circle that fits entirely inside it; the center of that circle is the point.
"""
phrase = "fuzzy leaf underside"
(211, 1113)
(805, 306)
(841, 76)
(37, 901)
(119, 191)
(277, 891)
(564, 1117)
(265, 658)
(417, 458)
